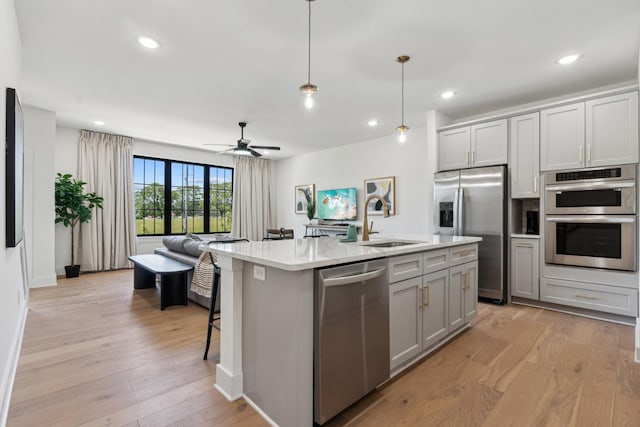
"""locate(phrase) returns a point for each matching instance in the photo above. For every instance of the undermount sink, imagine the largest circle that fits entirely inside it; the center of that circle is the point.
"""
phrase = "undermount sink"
(391, 244)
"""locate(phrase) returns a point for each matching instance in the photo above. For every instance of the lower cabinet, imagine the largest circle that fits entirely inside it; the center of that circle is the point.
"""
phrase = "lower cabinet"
(463, 294)
(435, 310)
(524, 268)
(405, 320)
(420, 309)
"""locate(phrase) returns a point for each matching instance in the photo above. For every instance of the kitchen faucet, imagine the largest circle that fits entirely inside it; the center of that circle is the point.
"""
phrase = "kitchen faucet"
(365, 225)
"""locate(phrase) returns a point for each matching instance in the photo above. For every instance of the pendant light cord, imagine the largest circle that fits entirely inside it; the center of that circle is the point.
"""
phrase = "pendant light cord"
(402, 108)
(309, 47)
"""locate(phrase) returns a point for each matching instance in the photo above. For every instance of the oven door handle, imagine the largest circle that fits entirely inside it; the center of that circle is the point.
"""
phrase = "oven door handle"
(598, 219)
(591, 186)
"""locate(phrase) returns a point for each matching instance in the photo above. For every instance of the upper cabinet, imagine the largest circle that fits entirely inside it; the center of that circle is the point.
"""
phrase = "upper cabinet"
(612, 130)
(483, 144)
(601, 132)
(524, 163)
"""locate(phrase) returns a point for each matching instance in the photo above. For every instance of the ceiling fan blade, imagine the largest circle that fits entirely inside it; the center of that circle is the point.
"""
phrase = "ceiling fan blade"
(254, 152)
(225, 151)
(221, 145)
(265, 147)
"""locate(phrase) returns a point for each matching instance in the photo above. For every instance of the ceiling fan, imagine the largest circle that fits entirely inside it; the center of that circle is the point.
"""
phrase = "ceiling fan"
(242, 148)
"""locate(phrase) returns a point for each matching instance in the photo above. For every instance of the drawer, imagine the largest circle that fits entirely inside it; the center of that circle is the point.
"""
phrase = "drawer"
(436, 260)
(592, 296)
(462, 254)
(405, 267)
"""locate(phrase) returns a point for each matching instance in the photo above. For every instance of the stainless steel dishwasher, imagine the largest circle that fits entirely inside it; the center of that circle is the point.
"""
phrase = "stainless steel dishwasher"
(351, 335)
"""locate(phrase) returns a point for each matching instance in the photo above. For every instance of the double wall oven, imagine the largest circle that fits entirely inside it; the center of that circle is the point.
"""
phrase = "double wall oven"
(591, 218)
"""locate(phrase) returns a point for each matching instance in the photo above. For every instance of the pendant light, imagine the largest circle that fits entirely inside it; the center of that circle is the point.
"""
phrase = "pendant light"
(402, 129)
(308, 88)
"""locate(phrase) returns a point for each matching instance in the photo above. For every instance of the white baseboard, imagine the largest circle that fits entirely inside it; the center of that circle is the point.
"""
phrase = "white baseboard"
(6, 386)
(43, 281)
(259, 411)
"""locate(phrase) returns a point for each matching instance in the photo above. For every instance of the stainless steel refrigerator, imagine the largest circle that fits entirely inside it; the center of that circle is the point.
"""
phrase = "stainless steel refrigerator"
(473, 202)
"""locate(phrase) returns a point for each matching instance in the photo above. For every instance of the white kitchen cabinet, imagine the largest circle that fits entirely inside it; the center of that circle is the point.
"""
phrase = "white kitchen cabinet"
(463, 294)
(405, 320)
(600, 132)
(419, 307)
(612, 130)
(453, 149)
(489, 144)
(525, 271)
(592, 296)
(525, 155)
(562, 137)
(435, 320)
(484, 144)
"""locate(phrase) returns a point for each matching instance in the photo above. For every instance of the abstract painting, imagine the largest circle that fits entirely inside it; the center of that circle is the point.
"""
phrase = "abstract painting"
(384, 187)
(303, 195)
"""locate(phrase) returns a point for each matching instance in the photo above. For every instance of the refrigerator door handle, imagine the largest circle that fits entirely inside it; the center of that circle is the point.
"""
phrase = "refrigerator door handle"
(456, 213)
(460, 212)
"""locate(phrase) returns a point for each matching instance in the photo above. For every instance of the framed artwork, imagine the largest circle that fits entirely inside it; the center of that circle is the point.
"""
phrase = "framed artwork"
(384, 187)
(303, 195)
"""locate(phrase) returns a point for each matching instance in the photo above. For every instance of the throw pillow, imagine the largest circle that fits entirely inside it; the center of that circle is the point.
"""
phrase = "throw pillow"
(191, 247)
(194, 237)
(175, 243)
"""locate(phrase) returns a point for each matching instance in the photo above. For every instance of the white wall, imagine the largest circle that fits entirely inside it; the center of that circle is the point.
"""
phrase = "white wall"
(12, 295)
(638, 319)
(39, 137)
(412, 163)
(66, 161)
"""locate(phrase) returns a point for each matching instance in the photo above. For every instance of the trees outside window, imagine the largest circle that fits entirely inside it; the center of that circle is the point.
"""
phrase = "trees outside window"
(177, 197)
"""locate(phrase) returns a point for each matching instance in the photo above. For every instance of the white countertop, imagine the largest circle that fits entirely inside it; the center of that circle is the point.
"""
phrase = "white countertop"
(304, 254)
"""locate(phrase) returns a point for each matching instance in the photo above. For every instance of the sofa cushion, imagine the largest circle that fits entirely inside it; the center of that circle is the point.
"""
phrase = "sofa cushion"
(175, 243)
(192, 247)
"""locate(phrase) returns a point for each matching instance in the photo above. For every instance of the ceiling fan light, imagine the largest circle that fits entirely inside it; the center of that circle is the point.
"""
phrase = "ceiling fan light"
(242, 152)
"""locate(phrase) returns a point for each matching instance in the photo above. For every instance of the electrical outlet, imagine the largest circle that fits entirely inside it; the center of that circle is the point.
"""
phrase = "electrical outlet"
(259, 272)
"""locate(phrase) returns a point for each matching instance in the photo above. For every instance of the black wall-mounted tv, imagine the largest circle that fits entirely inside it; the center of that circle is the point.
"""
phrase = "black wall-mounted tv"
(337, 204)
(14, 169)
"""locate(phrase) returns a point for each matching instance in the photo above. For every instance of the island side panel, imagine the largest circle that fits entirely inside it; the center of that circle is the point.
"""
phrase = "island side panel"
(277, 343)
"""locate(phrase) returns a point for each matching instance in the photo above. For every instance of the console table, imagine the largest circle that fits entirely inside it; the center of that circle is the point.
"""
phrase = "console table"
(318, 230)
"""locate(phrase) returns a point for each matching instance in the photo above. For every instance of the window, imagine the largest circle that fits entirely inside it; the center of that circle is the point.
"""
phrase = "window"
(177, 197)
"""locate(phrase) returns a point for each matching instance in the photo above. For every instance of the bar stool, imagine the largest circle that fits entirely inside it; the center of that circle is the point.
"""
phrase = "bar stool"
(212, 307)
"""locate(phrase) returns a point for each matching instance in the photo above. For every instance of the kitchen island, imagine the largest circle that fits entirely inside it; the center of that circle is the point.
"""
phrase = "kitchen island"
(267, 305)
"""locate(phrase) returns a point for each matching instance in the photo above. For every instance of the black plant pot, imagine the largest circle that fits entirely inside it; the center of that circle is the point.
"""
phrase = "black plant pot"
(72, 271)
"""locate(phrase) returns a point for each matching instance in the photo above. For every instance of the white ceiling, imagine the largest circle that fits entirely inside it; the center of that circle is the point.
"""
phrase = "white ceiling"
(222, 62)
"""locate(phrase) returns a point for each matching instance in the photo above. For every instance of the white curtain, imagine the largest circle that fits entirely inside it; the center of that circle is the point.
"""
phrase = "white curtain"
(252, 211)
(106, 165)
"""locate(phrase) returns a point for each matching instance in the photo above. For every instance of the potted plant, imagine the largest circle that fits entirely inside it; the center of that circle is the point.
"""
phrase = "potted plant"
(311, 209)
(73, 205)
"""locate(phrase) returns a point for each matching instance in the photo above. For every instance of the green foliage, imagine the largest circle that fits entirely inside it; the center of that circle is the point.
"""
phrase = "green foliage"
(311, 209)
(73, 205)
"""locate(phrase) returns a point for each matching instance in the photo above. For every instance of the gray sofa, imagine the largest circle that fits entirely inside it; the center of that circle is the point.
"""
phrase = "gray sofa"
(185, 249)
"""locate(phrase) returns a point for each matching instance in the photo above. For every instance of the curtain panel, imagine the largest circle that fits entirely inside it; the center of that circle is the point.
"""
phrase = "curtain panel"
(106, 165)
(252, 210)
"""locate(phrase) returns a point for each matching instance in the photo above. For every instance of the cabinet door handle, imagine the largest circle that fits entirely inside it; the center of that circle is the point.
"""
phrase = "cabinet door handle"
(466, 159)
(588, 152)
(535, 184)
(426, 304)
(421, 305)
(473, 157)
(524, 245)
(586, 296)
(580, 149)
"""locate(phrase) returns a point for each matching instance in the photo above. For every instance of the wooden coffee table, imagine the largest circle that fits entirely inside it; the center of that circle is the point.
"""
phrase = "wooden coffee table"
(173, 277)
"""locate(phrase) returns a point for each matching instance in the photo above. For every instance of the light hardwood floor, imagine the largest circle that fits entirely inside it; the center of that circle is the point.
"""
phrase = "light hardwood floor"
(97, 353)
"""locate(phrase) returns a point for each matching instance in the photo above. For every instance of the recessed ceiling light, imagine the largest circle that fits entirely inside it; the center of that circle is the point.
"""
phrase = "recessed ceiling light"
(448, 94)
(373, 122)
(569, 59)
(98, 122)
(148, 42)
